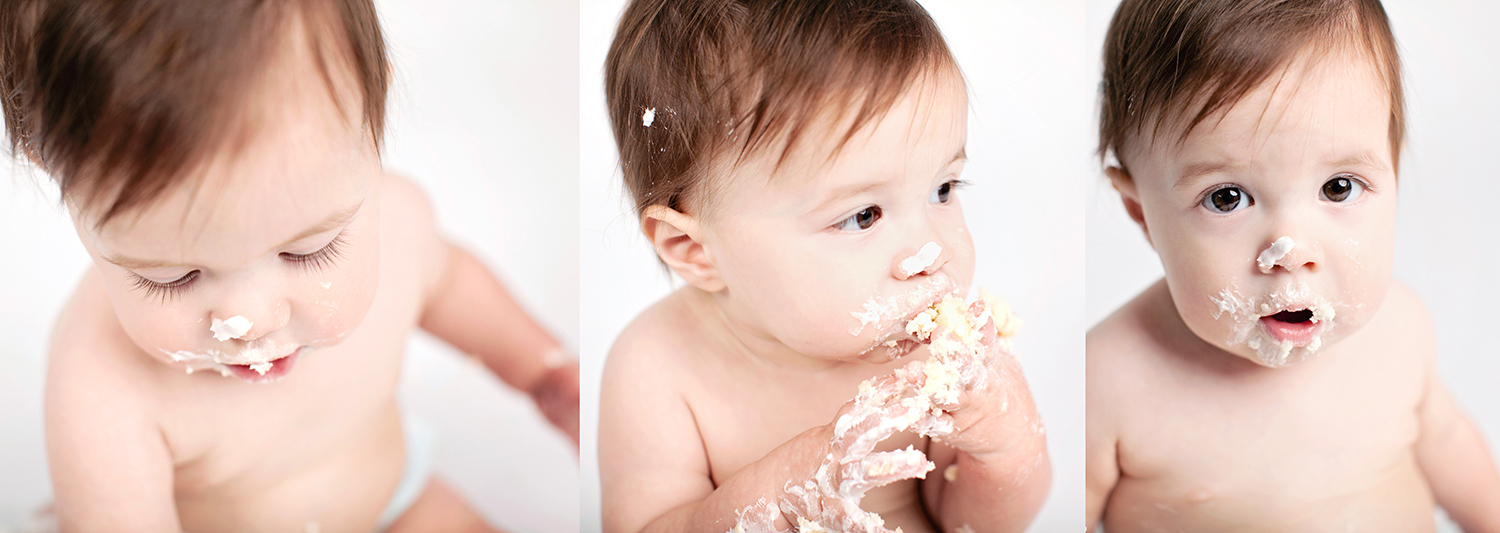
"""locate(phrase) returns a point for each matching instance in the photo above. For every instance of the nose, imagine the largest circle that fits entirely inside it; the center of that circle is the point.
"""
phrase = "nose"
(261, 308)
(926, 259)
(1288, 254)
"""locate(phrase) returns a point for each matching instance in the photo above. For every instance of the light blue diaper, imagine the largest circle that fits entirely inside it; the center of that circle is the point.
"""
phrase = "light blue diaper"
(419, 452)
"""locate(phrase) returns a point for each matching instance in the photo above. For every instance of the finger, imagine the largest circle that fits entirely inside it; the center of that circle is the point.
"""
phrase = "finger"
(883, 468)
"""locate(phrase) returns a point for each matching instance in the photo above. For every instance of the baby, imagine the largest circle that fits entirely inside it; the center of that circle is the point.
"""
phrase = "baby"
(796, 163)
(230, 361)
(1277, 379)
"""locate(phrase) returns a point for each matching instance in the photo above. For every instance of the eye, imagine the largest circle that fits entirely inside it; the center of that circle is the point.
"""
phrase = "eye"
(860, 221)
(944, 192)
(1342, 188)
(321, 259)
(163, 291)
(1226, 200)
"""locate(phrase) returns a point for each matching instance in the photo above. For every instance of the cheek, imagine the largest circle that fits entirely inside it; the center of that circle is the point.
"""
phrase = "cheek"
(152, 325)
(336, 301)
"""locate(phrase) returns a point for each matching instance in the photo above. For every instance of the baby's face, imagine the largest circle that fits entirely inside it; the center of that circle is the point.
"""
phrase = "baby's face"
(285, 236)
(1305, 157)
(812, 256)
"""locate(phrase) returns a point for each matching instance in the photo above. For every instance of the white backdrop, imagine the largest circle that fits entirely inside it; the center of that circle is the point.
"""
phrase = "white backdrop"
(483, 116)
(1445, 225)
(1029, 145)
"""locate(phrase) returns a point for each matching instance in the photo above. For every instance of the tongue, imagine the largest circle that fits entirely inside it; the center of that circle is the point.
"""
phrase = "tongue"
(1293, 316)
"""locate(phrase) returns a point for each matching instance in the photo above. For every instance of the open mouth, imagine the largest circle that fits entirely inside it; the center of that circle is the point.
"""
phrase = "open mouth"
(1296, 327)
(265, 372)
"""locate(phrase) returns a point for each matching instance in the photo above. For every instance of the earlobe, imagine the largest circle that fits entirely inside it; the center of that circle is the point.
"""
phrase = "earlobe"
(676, 237)
(1125, 185)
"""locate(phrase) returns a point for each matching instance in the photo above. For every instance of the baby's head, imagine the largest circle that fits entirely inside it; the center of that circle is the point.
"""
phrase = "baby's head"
(797, 159)
(1257, 146)
(219, 160)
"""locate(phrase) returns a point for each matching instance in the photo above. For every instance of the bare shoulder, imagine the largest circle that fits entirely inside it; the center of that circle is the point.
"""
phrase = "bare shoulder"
(91, 359)
(648, 435)
(101, 389)
(1402, 329)
(650, 359)
(1122, 351)
(408, 226)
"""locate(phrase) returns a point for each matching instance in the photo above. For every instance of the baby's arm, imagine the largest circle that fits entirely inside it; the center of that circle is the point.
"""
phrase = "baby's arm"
(1449, 449)
(1000, 452)
(1453, 456)
(653, 467)
(468, 307)
(1101, 443)
(110, 467)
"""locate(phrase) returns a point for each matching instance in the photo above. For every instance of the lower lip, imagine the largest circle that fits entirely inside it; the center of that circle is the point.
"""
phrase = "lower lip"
(1296, 333)
(279, 369)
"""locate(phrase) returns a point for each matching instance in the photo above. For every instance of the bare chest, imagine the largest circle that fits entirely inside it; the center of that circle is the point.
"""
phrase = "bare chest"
(1328, 447)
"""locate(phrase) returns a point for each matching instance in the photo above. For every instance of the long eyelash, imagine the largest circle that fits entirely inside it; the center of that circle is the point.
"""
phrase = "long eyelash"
(321, 259)
(959, 184)
(163, 292)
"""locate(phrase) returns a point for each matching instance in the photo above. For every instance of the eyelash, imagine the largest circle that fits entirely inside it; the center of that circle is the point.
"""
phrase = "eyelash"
(321, 259)
(313, 262)
(163, 292)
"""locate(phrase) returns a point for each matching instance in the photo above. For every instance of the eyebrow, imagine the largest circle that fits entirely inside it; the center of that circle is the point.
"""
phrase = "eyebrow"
(1366, 159)
(861, 188)
(1197, 170)
(333, 221)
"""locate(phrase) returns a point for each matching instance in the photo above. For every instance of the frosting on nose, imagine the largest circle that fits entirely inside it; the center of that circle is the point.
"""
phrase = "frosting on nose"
(921, 260)
(233, 328)
(1272, 256)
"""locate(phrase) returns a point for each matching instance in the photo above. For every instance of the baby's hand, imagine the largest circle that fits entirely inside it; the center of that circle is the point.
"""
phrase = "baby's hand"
(556, 395)
(827, 498)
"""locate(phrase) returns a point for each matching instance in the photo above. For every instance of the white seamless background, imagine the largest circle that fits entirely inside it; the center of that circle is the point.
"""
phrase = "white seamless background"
(1029, 160)
(483, 116)
(1445, 228)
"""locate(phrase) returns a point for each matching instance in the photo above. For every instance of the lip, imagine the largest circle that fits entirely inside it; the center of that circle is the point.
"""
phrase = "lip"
(280, 367)
(1294, 333)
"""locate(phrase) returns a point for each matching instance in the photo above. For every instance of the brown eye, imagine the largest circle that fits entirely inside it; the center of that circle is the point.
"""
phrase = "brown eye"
(862, 220)
(1226, 200)
(1342, 188)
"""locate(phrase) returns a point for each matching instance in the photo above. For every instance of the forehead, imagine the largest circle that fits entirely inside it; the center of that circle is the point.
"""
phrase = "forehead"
(928, 121)
(303, 155)
(1325, 107)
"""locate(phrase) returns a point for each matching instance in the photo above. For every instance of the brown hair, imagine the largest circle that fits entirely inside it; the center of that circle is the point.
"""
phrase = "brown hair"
(1165, 58)
(119, 100)
(729, 77)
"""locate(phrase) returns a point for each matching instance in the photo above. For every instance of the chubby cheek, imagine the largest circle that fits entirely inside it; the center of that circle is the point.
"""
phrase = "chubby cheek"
(154, 325)
(335, 302)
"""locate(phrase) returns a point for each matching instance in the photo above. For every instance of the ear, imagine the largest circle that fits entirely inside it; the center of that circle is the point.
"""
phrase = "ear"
(676, 238)
(1125, 185)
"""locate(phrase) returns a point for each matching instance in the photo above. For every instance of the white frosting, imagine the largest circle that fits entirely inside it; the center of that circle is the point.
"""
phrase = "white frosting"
(1245, 313)
(648, 117)
(883, 407)
(921, 260)
(889, 314)
(233, 328)
(258, 353)
(1272, 256)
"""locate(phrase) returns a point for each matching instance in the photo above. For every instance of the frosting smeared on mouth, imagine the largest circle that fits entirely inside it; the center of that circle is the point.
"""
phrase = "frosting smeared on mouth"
(1295, 303)
(962, 339)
